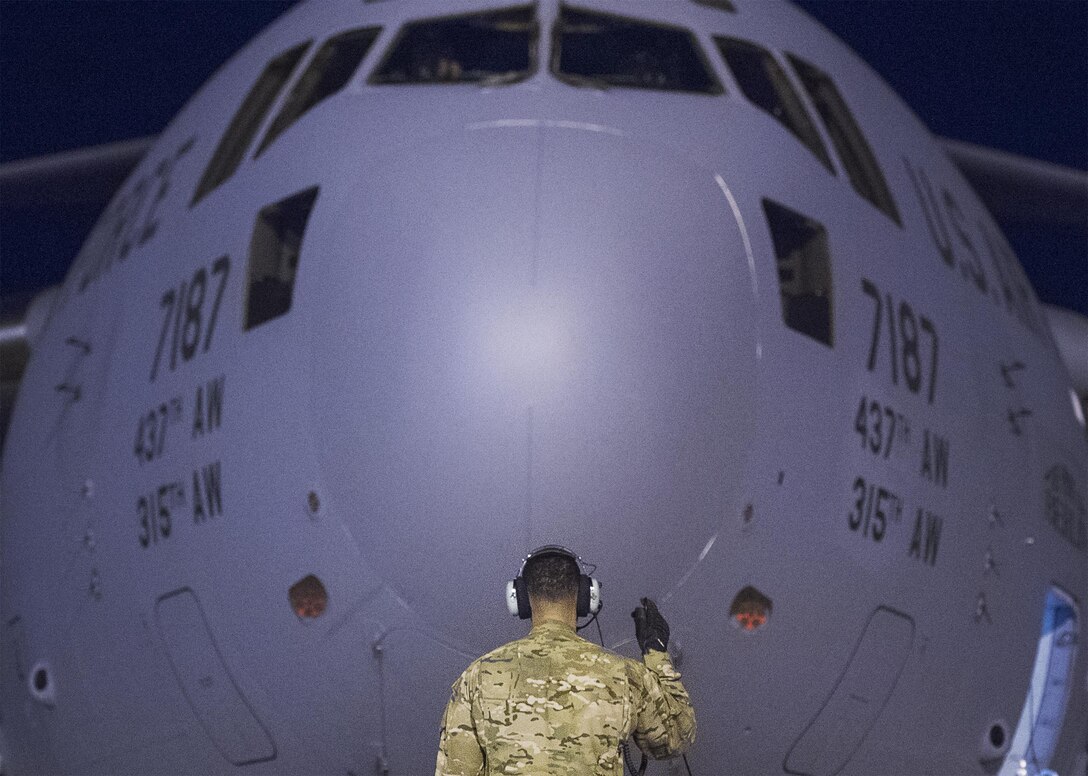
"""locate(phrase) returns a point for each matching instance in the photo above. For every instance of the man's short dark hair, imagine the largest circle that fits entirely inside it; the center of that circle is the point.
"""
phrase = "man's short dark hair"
(552, 577)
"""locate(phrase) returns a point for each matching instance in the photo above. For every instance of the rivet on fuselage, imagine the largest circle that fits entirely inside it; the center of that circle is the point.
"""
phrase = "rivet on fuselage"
(95, 588)
(982, 609)
(41, 683)
(994, 743)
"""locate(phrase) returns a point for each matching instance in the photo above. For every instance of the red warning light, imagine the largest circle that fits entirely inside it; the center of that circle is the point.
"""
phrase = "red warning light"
(750, 609)
(308, 597)
(750, 620)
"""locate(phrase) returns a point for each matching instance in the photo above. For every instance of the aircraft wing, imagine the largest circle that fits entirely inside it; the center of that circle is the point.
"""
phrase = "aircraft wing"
(1019, 190)
(1022, 191)
(82, 176)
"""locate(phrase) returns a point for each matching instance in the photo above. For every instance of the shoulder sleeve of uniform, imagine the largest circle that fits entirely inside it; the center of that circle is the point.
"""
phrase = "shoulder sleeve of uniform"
(664, 719)
(459, 752)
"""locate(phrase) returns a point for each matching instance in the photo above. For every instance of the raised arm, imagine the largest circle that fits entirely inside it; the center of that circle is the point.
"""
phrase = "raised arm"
(664, 718)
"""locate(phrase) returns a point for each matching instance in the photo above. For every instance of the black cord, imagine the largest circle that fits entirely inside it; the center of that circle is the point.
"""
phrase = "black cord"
(626, 754)
(590, 621)
(627, 761)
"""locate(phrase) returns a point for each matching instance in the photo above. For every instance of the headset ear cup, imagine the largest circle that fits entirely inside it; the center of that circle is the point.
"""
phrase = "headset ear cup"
(511, 599)
(525, 611)
(594, 595)
(583, 595)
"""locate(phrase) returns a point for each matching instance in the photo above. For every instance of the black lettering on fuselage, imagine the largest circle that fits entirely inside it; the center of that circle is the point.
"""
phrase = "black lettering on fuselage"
(131, 221)
(932, 212)
(926, 537)
(208, 406)
(969, 243)
(207, 492)
(935, 459)
(970, 267)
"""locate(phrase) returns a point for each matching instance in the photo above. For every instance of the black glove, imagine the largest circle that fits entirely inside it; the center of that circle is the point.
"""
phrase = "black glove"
(651, 630)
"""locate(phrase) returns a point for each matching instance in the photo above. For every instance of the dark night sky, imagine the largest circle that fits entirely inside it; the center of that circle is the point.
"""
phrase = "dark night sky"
(1012, 75)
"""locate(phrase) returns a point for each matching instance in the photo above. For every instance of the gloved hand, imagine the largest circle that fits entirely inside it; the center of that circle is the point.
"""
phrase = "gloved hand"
(651, 630)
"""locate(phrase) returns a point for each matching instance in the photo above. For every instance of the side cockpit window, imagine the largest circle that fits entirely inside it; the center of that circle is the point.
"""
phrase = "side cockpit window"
(243, 127)
(765, 84)
(604, 50)
(328, 72)
(274, 252)
(861, 166)
(804, 271)
(492, 47)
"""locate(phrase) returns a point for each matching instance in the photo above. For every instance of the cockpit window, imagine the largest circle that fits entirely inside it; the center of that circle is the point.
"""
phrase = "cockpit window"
(232, 147)
(804, 271)
(494, 47)
(330, 69)
(861, 166)
(764, 82)
(602, 50)
(274, 251)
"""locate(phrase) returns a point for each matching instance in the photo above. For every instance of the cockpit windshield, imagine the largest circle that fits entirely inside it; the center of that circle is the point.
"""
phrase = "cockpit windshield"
(603, 50)
(492, 47)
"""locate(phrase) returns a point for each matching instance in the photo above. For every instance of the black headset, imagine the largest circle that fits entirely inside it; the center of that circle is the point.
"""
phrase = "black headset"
(517, 594)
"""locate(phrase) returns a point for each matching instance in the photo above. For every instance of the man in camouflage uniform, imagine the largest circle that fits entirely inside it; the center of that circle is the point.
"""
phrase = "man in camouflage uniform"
(554, 704)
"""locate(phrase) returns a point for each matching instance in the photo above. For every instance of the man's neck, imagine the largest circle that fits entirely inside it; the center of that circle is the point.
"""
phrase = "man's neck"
(546, 611)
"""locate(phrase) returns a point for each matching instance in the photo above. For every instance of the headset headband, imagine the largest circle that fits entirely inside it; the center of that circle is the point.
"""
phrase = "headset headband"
(550, 549)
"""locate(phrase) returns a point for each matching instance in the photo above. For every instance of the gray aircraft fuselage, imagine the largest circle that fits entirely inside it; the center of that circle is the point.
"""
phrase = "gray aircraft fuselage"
(283, 438)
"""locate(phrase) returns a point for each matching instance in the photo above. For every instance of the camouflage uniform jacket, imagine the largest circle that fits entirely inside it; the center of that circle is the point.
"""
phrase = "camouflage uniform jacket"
(554, 704)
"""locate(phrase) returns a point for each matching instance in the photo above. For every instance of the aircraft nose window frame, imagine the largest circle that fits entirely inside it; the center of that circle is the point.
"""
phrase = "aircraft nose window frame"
(274, 251)
(805, 277)
(448, 49)
(602, 50)
(763, 81)
(329, 71)
(854, 152)
(247, 121)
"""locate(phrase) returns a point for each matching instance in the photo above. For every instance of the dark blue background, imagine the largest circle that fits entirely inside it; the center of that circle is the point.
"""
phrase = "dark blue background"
(1012, 75)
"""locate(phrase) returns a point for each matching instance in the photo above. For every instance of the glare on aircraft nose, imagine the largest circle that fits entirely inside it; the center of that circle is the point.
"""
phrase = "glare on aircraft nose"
(552, 341)
(529, 341)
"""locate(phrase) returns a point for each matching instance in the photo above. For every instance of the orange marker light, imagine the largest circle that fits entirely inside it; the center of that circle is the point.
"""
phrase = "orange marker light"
(750, 610)
(751, 620)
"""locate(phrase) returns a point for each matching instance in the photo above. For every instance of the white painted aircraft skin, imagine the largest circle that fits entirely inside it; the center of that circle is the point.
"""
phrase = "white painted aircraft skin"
(524, 314)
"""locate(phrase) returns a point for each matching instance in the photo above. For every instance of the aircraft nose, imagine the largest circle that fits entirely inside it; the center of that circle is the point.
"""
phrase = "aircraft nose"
(551, 340)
